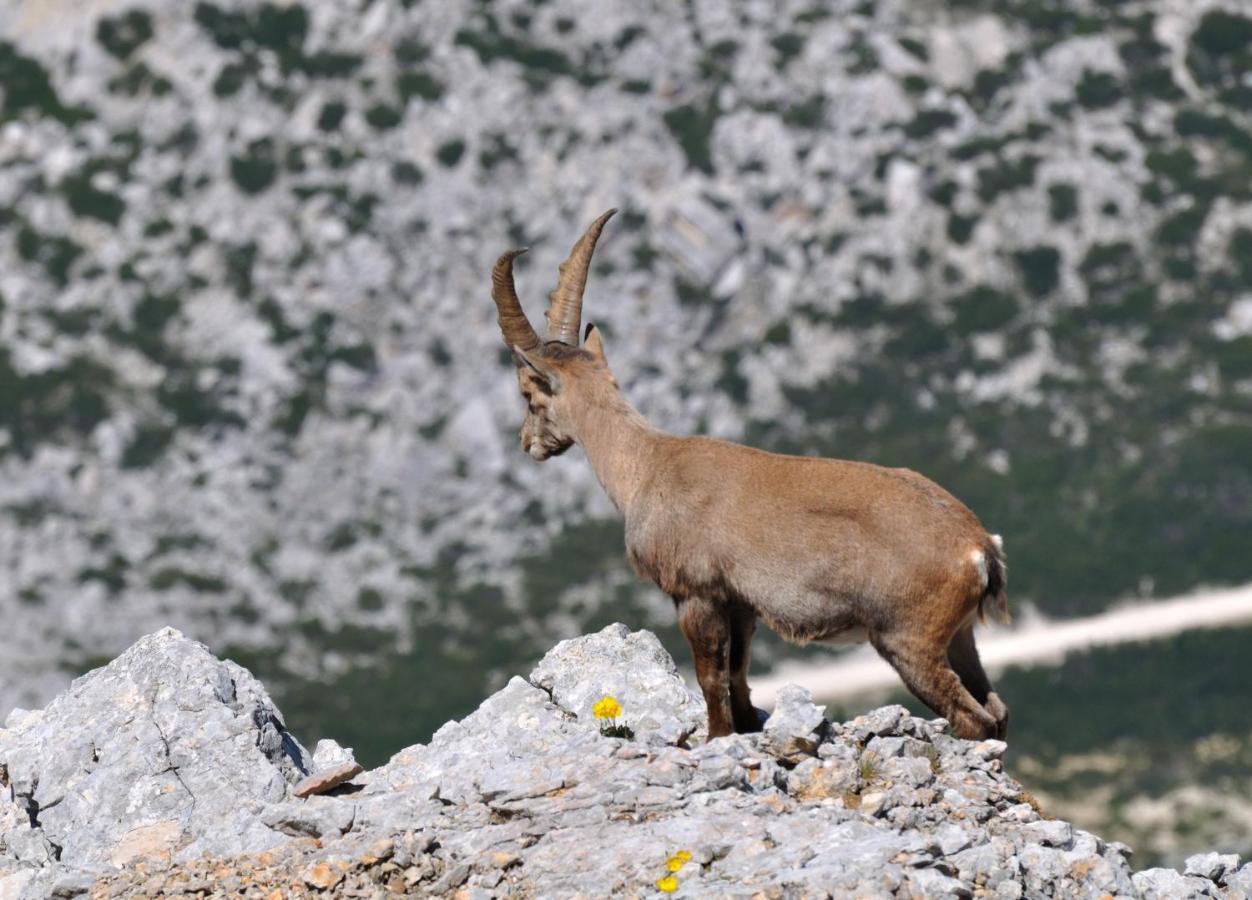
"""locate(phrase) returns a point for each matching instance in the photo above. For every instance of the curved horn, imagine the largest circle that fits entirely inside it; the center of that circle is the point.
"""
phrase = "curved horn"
(513, 322)
(565, 307)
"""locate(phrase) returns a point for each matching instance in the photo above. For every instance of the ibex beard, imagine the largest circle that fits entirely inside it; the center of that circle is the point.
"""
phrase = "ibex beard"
(820, 549)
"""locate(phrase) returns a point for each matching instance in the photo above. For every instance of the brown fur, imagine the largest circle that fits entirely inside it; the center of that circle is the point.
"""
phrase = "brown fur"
(821, 549)
(818, 548)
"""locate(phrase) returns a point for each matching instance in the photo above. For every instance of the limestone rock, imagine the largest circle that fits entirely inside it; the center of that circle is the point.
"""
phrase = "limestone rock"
(165, 752)
(1169, 884)
(634, 668)
(797, 726)
(1213, 866)
(327, 779)
(526, 797)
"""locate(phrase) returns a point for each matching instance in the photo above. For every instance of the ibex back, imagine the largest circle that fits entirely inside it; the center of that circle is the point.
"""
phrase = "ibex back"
(820, 549)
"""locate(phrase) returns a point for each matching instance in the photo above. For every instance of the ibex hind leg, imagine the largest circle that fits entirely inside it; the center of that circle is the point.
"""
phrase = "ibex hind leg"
(963, 657)
(925, 671)
(706, 626)
(742, 627)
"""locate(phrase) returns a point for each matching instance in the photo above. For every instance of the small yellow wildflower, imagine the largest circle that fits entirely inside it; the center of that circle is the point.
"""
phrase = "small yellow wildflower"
(684, 855)
(667, 885)
(675, 863)
(607, 708)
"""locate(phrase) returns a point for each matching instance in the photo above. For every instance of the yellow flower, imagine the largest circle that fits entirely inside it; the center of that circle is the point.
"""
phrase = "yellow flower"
(675, 863)
(667, 885)
(607, 708)
(683, 855)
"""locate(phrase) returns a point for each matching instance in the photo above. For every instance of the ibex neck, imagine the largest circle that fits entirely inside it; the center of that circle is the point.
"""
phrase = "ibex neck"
(619, 444)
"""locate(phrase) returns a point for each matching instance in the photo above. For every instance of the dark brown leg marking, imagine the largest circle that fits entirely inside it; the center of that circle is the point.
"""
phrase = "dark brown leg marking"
(742, 627)
(706, 626)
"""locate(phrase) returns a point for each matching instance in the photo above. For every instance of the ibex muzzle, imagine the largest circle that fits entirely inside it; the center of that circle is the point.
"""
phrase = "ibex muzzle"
(820, 549)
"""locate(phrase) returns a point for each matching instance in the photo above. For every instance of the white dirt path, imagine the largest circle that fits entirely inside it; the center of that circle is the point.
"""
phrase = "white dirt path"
(1032, 643)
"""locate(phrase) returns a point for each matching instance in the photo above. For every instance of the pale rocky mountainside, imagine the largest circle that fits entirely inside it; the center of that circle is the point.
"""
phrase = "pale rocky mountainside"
(250, 381)
(171, 773)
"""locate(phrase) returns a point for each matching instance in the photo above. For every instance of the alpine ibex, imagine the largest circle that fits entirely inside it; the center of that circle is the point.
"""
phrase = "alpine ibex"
(821, 549)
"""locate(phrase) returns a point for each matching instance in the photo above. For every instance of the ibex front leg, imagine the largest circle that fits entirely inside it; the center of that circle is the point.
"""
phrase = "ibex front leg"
(742, 627)
(706, 626)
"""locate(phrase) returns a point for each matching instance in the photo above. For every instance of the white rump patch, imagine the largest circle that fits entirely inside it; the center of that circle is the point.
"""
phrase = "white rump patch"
(979, 559)
(998, 541)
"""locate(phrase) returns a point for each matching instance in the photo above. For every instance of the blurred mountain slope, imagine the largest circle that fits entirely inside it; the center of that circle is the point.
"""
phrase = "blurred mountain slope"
(251, 385)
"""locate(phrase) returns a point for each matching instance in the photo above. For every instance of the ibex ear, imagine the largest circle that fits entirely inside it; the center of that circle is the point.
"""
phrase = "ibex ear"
(593, 343)
(539, 365)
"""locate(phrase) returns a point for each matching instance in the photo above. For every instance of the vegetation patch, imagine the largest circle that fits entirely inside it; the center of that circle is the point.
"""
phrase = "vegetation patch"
(164, 579)
(138, 79)
(692, 126)
(147, 443)
(1007, 175)
(55, 252)
(961, 228)
(1107, 269)
(405, 172)
(810, 113)
(491, 43)
(318, 351)
(983, 309)
(54, 405)
(1147, 66)
(27, 88)
(450, 152)
(281, 29)
(787, 46)
(383, 116)
(269, 25)
(123, 34)
(497, 149)
(1062, 202)
(255, 170)
(928, 121)
(1220, 56)
(331, 116)
(1040, 269)
(111, 573)
(89, 201)
(416, 83)
(232, 77)
(1097, 90)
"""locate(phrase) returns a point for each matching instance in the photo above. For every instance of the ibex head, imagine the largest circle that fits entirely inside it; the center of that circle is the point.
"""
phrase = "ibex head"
(552, 374)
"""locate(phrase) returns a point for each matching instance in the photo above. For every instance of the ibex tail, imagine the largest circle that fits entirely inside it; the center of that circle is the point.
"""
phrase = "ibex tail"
(995, 596)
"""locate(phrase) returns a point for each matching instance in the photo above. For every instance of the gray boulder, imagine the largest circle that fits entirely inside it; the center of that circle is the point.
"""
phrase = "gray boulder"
(1170, 884)
(633, 668)
(797, 726)
(1213, 866)
(1239, 883)
(165, 752)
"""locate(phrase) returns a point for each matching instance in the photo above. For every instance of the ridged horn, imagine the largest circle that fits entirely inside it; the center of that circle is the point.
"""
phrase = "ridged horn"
(565, 307)
(514, 325)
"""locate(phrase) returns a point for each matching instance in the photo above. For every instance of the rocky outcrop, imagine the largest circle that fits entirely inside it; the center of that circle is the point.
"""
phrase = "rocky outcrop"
(166, 751)
(169, 772)
(250, 374)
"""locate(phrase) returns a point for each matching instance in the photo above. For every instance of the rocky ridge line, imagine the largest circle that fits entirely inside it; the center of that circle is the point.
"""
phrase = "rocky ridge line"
(169, 773)
(248, 361)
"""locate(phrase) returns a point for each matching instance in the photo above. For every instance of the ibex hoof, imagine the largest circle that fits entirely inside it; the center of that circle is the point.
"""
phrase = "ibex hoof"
(1000, 713)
